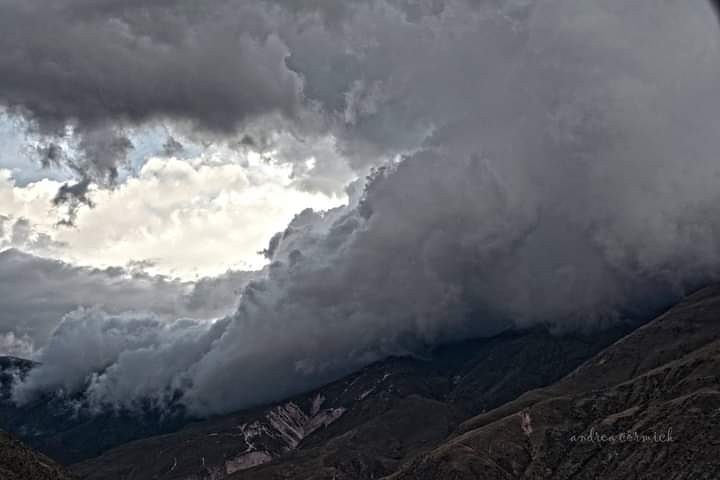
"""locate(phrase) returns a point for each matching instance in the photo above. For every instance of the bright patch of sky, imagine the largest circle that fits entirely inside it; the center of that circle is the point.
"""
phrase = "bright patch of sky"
(197, 213)
(15, 154)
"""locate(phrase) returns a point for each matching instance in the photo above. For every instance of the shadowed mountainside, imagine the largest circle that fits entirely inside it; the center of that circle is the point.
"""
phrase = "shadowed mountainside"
(520, 405)
(18, 462)
(361, 427)
(659, 385)
(67, 430)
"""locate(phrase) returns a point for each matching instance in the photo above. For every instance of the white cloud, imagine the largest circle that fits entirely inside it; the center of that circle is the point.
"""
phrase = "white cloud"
(18, 346)
(192, 217)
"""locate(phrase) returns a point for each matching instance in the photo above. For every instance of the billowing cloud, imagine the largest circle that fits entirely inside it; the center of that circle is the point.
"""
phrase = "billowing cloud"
(98, 68)
(559, 166)
(17, 346)
(37, 292)
(94, 71)
(128, 356)
(196, 216)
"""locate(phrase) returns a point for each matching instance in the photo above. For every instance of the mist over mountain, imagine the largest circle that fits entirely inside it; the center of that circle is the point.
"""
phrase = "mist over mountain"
(38, 291)
(549, 162)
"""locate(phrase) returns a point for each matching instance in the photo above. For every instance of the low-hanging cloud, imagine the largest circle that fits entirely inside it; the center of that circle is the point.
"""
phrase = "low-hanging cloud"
(560, 167)
(36, 292)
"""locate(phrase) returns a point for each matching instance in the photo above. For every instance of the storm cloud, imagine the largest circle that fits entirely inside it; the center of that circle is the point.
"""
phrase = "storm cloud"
(88, 71)
(83, 75)
(37, 292)
(545, 162)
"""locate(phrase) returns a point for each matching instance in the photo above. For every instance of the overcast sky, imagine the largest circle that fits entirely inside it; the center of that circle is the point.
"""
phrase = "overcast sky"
(398, 174)
(197, 214)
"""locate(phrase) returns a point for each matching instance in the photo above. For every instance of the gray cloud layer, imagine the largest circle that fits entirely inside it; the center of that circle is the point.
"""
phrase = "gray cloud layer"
(561, 168)
(36, 292)
(356, 68)
(98, 68)
(82, 73)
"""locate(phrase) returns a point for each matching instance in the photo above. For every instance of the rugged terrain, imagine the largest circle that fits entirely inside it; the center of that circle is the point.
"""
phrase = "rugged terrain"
(66, 429)
(660, 385)
(18, 462)
(364, 426)
(521, 405)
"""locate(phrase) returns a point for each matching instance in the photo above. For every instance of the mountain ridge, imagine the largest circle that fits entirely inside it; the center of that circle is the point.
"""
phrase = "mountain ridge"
(504, 407)
(670, 389)
(383, 415)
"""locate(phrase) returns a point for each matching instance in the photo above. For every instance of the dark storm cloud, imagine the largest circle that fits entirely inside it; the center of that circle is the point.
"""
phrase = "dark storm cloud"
(101, 154)
(36, 292)
(172, 147)
(73, 195)
(91, 63)
(50, 155)
(95, 68)
(559, 167)
(716, 6)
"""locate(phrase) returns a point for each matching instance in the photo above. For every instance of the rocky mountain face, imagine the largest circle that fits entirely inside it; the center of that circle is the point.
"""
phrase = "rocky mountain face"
(646, 407)
(18, 462)
(364, 426)
(620, 404)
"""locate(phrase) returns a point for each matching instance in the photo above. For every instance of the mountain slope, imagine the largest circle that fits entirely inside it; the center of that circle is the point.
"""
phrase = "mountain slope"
(17, 462)
(520, 405)
(361, 427)
(659, 386)
(67, 430)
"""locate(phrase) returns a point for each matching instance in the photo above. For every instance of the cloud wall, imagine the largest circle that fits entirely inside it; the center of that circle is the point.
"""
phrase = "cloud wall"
(550, 162)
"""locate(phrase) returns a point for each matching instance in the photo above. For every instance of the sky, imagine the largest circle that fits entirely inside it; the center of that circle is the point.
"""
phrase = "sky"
(192, 214)
(227, 203)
